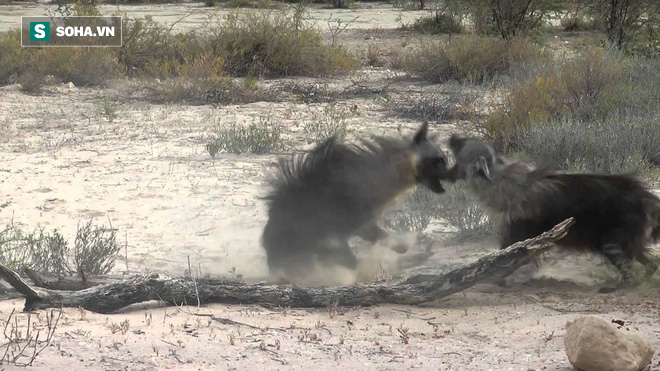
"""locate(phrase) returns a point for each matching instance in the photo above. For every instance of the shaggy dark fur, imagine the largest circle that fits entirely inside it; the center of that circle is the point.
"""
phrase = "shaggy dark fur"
(337, 190)
(615, 214)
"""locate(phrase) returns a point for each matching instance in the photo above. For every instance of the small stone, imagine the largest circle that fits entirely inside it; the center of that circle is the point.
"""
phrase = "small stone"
(70, 85)
(593, 344)
(154, 362)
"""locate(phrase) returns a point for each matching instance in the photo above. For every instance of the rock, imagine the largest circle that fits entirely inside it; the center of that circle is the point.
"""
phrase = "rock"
(593, 344)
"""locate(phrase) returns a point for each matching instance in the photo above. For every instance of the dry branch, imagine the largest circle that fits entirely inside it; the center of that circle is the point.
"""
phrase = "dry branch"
(110, 297)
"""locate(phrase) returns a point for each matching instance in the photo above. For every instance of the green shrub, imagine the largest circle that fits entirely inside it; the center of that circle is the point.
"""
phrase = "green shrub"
(472, 59)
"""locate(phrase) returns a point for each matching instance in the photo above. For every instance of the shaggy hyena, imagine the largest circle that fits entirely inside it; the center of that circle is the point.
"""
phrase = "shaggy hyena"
(614, 214)
(338, 190)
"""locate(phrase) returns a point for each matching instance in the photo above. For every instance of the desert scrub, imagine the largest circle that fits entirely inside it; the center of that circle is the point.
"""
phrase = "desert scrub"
(11, 57)
(253, 138)
(617, 145)
(471, 59)
(276, 43)
(591, 87)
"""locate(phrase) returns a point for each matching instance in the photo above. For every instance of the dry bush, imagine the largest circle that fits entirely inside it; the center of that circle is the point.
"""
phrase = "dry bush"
(147, 43)
(472, 59)
(276, 43)
(48, 252)
(590, 88)
(95, 250)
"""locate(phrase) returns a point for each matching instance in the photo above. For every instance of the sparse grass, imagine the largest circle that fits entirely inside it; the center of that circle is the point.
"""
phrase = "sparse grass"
(332, 123)
(253, 138)
(472, 59)
(461, 210)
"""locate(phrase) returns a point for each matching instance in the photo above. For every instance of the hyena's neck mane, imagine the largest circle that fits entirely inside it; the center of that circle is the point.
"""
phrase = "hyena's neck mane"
(514, 190)
(378, 169)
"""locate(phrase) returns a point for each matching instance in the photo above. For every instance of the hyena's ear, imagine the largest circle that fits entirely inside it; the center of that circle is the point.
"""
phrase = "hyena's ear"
(456, 143)
(482, 165)
(421, 134)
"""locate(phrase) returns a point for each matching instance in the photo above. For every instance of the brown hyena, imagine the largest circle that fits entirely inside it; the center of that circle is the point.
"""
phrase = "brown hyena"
(338, 190)
(615, 215)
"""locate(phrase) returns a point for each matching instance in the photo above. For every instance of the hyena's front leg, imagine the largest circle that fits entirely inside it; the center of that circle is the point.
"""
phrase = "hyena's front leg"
(373, 233)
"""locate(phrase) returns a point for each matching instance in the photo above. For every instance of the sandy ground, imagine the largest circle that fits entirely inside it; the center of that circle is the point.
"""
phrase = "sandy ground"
(147, 171)
(367, 16)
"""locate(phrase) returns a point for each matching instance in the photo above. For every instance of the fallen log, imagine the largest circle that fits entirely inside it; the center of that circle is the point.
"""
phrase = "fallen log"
(110, 297)
(59, 283)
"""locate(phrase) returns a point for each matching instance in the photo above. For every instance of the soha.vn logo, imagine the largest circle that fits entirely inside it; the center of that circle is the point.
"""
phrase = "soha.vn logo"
(40, 31)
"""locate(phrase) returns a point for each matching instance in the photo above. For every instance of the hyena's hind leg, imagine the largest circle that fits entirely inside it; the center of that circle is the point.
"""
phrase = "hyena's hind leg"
(340, 254)
(292, 266)
(615, 247)
(648, 262)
